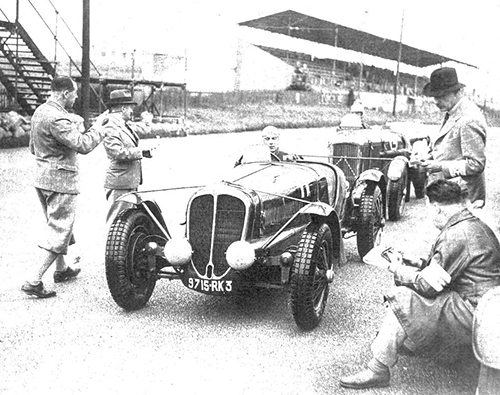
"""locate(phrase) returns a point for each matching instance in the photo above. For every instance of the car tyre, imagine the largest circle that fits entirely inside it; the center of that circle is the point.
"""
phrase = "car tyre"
(371, 220)
(130, 281)
(309, 283)
(396, 197)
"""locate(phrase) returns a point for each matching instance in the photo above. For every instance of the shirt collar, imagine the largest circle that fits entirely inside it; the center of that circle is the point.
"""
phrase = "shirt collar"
(454, 109)
(56, 104)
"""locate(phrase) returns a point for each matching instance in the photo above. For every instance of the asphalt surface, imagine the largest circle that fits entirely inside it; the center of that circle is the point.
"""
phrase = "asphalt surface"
(184, 342)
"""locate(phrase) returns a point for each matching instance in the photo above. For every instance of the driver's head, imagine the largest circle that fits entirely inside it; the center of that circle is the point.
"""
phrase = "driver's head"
(271, 138)
(358, 108)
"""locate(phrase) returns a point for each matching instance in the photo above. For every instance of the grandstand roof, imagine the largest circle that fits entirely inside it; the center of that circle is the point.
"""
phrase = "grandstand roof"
(306, 27)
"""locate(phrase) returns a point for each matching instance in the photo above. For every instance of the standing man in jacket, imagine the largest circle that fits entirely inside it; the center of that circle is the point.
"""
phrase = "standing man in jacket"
(55, 142)
(431, 309)
(458, 151)
(124, 173)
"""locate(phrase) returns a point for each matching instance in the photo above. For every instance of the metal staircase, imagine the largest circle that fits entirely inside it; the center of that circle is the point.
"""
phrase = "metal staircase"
(24, 70)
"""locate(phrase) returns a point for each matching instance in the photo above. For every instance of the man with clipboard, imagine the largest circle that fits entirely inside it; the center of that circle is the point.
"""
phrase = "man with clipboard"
(431, 309)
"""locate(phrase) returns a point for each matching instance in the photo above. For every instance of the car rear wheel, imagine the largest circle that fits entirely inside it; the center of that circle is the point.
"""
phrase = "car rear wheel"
(129, 278)
(371, 220)
(309, 282)
(396, 197)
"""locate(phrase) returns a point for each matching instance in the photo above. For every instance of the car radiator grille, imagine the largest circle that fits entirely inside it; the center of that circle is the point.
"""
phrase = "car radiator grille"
(346, 156)
(227, 228)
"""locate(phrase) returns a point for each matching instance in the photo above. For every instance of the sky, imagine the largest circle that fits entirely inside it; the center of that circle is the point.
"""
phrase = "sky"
(460, 30)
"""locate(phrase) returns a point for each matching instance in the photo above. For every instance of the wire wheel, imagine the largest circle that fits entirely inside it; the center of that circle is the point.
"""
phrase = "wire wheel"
(130, 280)
(371, 220)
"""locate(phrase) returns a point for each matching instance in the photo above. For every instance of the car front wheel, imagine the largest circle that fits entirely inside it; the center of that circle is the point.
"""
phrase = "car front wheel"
(396, 197)
(371, 220)
(129, 278)
(309, 282)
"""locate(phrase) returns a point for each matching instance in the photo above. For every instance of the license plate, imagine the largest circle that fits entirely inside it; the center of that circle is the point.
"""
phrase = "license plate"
(210, 285)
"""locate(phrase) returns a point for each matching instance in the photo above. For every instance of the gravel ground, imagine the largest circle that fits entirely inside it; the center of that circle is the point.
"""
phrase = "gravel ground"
(183, 342)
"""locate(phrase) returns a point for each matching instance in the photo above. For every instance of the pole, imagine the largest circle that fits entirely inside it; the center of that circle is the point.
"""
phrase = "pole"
(86, 63)
(335, 43)
(396, 83)
(361, 58)
(17, 49)
(360, 71)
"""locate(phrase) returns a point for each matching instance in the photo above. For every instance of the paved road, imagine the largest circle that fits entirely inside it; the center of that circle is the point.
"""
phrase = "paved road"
(184, 342)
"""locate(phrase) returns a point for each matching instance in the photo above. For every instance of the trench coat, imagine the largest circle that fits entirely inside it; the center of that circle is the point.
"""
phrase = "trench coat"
(460, 148)
(124, 155)
(440, 323)
(55, 142)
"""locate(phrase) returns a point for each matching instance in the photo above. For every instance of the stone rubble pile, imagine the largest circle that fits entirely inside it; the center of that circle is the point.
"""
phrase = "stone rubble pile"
(12, 124)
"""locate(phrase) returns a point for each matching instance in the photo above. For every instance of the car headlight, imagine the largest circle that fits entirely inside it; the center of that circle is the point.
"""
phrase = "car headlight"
(178, 251)
(240, 255)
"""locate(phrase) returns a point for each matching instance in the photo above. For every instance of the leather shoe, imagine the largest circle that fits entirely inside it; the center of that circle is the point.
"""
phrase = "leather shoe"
(37, 290)
(366, 379)
(65, 275)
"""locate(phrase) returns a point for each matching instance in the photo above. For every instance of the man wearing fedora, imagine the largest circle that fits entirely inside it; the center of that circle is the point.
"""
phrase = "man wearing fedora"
(124, 173)
(458, 150)
(55, 140)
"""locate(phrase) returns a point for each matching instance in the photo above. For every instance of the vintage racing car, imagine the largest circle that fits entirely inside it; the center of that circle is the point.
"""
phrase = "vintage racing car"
(382, 156)
(268, 224)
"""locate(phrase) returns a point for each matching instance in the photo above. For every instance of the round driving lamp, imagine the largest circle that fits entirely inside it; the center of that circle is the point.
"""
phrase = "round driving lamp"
(240, 255)
(178, 251)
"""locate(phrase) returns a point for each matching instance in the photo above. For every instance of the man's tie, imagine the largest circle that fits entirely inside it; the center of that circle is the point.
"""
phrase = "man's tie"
(446, 117)
(134, 134)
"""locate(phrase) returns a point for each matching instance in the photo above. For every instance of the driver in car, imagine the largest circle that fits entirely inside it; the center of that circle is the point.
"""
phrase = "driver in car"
(354, 118)
(271, 138)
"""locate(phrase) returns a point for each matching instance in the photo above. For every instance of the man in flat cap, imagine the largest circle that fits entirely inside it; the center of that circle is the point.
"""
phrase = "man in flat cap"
(458, 150)
(124, 173)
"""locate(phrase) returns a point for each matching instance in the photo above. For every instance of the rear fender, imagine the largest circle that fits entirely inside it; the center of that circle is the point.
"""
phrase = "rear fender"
(397, 168)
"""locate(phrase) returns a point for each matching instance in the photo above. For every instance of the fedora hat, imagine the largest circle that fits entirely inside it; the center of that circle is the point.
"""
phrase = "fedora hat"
(443, 81)
(120, 97)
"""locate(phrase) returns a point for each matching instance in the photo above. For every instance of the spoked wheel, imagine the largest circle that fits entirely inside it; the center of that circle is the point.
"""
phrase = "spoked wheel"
(309, 280)
(130, 280)
(371, 220)
(396, 197)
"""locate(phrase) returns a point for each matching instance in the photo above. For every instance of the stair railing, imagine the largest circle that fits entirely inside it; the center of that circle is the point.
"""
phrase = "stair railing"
(57, 43)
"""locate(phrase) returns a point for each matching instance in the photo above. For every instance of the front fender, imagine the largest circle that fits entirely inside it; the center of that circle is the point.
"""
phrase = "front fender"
(150, 207)
(317, 208)
(366, 178)
(374, 175)
(320, 211)
(397, 167)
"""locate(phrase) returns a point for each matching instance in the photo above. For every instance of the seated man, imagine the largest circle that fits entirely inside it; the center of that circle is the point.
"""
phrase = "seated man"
(432, 306)
(271, 138)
